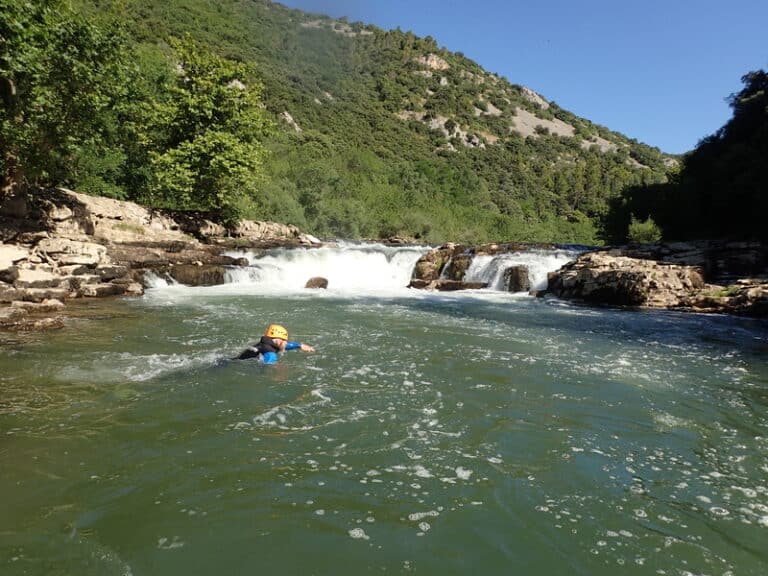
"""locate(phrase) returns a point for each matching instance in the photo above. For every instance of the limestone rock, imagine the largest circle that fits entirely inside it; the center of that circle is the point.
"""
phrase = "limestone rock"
(10, 254)
(66, 251)
(265, 230)
(516, 279)
(602, 277)
(317, 282)
(197, 275)
(47, 305)
(453, 285)
(457, 267)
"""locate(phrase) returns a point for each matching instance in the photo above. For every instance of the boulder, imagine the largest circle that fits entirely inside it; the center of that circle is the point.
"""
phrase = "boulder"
(317, 282)
(430, 266)
(18, 318)
(33, 276)
(10, 254)
(109, 272)
(265, 230)
(100, 290)
(197, 274)
(515, 279)
(47, 305)
(457, 267)
(8, 293)
(10, 316)
(604, 278)
(65, 251)
(41, 294)
(445, 285)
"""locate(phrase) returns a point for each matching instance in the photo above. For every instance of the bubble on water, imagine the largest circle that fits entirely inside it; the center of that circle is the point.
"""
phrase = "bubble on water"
(640, 513)
(320, 512)
(416, 516)
(748, 492)
(424, 526)
(319, 394)
(463, 473)
(704, 499)
(358, 534)
(165, 544)
(718, 511)
(422, 472)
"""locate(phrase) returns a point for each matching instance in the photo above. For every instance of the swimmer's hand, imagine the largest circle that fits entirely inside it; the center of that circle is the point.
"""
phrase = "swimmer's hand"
(307, 348)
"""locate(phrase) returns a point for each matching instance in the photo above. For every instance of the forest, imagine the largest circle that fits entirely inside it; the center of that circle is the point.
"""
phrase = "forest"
(248, 109)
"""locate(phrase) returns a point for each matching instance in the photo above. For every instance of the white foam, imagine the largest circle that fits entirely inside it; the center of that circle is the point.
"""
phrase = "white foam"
(358, 534)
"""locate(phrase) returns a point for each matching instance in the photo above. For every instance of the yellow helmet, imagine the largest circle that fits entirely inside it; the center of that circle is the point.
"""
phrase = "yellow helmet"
(276, 331)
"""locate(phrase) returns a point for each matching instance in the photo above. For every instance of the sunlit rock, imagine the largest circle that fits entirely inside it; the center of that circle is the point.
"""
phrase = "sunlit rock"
(317, 282)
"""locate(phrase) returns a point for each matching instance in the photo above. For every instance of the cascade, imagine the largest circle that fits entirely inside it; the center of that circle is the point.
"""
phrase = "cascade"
(347, 267)
(490, 269)
(368, 268)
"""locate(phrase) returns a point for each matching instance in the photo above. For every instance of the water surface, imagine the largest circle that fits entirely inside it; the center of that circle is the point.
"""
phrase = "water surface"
(429, 434)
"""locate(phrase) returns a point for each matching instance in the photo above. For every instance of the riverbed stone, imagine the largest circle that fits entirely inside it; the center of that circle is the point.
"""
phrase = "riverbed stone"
(35, 276)
(516, 279)
(109, 272)
(40, 294)
(317, 282)
(8, 293)
(47, 305)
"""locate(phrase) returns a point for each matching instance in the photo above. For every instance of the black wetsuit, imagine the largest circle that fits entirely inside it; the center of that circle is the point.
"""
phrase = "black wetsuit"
(266, 351)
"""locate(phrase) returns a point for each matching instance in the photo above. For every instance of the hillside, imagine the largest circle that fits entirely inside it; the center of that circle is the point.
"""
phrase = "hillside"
(382, 132)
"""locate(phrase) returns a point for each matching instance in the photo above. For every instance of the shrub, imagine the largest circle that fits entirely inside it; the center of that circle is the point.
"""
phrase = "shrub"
(645, 232)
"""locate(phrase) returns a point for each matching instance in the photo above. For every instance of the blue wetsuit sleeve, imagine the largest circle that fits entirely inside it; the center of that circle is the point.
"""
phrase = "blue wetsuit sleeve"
(292, 345)
(269, 357)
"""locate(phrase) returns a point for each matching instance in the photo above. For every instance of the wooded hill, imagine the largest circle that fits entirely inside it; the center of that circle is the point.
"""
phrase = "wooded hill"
(373, 133)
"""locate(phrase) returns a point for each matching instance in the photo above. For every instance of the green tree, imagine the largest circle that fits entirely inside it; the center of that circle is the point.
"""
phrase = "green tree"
(60, 80)
(207, 152)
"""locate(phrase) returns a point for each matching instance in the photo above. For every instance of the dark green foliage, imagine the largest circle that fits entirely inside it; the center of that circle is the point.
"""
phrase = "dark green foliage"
(721, 189)
(207, 154)
(643, 232)
(391, 134)
(61, 81)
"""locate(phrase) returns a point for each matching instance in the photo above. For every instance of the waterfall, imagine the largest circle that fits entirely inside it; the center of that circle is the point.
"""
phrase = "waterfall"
(490, 269)
(347, 267)
(363, 269)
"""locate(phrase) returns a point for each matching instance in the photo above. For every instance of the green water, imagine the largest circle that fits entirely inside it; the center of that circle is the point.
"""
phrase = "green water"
(429, 434)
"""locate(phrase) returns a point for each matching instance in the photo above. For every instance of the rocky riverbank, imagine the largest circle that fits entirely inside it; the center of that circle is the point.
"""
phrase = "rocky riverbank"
(56, 245)
(705, 276)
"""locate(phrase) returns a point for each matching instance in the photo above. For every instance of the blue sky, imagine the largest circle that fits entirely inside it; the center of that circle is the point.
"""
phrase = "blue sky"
(658, 71)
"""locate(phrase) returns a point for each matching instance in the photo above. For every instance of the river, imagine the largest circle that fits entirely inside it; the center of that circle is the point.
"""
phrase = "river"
(430, 433)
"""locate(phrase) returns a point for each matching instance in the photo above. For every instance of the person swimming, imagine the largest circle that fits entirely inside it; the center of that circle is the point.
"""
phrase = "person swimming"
(275, 341)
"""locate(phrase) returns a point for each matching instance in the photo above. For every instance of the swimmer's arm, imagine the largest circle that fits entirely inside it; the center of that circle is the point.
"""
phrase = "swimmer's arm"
(299, 346)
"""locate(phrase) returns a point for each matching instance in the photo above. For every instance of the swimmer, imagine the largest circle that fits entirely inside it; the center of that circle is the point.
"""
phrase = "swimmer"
(272, 344)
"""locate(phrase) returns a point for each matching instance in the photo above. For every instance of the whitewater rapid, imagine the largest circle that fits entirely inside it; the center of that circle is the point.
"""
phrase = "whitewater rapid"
(364, 270)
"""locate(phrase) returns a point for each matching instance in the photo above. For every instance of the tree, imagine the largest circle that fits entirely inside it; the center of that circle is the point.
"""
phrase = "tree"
(208, 153)
(60, 77)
